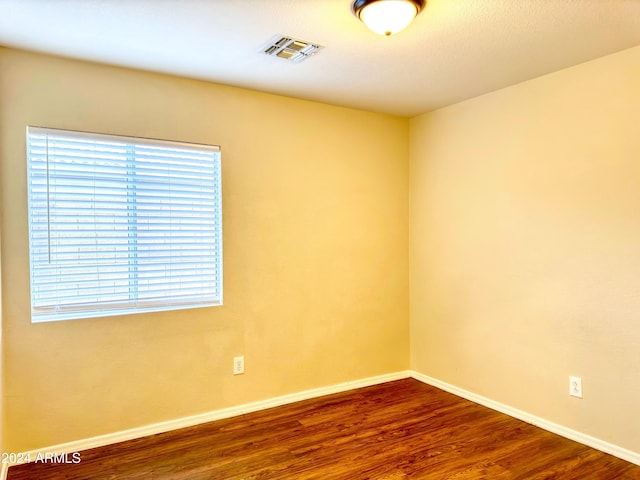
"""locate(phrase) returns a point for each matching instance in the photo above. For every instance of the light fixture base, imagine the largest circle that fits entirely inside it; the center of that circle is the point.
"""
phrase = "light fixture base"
(358, 5)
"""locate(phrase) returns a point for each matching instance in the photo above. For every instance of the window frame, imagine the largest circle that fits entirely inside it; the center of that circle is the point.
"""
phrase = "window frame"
(212, 227)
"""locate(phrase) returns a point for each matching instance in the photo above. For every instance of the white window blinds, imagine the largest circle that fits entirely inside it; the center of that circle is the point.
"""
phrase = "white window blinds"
(121, 225)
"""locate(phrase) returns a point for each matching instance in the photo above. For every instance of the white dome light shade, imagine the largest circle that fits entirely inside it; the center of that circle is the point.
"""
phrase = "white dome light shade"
(387, 17)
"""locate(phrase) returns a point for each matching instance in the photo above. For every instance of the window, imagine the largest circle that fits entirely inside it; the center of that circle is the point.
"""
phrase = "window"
(121, 225)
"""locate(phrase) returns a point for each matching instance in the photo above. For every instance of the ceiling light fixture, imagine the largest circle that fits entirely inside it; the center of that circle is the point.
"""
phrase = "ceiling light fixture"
(387, 17)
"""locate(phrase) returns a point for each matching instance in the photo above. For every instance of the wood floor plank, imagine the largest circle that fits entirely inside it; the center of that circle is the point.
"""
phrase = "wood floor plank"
(397, 430)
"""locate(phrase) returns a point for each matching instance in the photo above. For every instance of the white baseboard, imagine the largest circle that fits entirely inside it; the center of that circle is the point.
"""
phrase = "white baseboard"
(616, 451)
(124, 435)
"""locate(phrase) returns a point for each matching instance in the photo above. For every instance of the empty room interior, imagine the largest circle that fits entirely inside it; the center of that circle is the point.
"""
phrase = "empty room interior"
(448, 211)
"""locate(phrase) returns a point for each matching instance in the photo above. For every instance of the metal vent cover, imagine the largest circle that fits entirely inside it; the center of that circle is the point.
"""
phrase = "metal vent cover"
(290, 48)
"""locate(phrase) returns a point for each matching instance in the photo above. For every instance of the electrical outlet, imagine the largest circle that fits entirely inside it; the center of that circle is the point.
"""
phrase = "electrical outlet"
(238, 365)
(575, 387)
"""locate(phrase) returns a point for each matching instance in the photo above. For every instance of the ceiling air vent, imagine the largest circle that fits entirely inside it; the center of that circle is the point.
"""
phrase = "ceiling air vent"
(289, 48)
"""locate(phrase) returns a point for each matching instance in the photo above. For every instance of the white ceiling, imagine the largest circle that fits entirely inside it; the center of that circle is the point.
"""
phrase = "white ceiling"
(454, 50)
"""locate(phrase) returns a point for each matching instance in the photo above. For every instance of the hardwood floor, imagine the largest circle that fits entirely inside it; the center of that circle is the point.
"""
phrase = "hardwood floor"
(393, 431)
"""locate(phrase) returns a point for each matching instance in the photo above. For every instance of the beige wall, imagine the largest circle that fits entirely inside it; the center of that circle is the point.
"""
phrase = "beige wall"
(525, 246)
(524, 251)
(316, 261)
